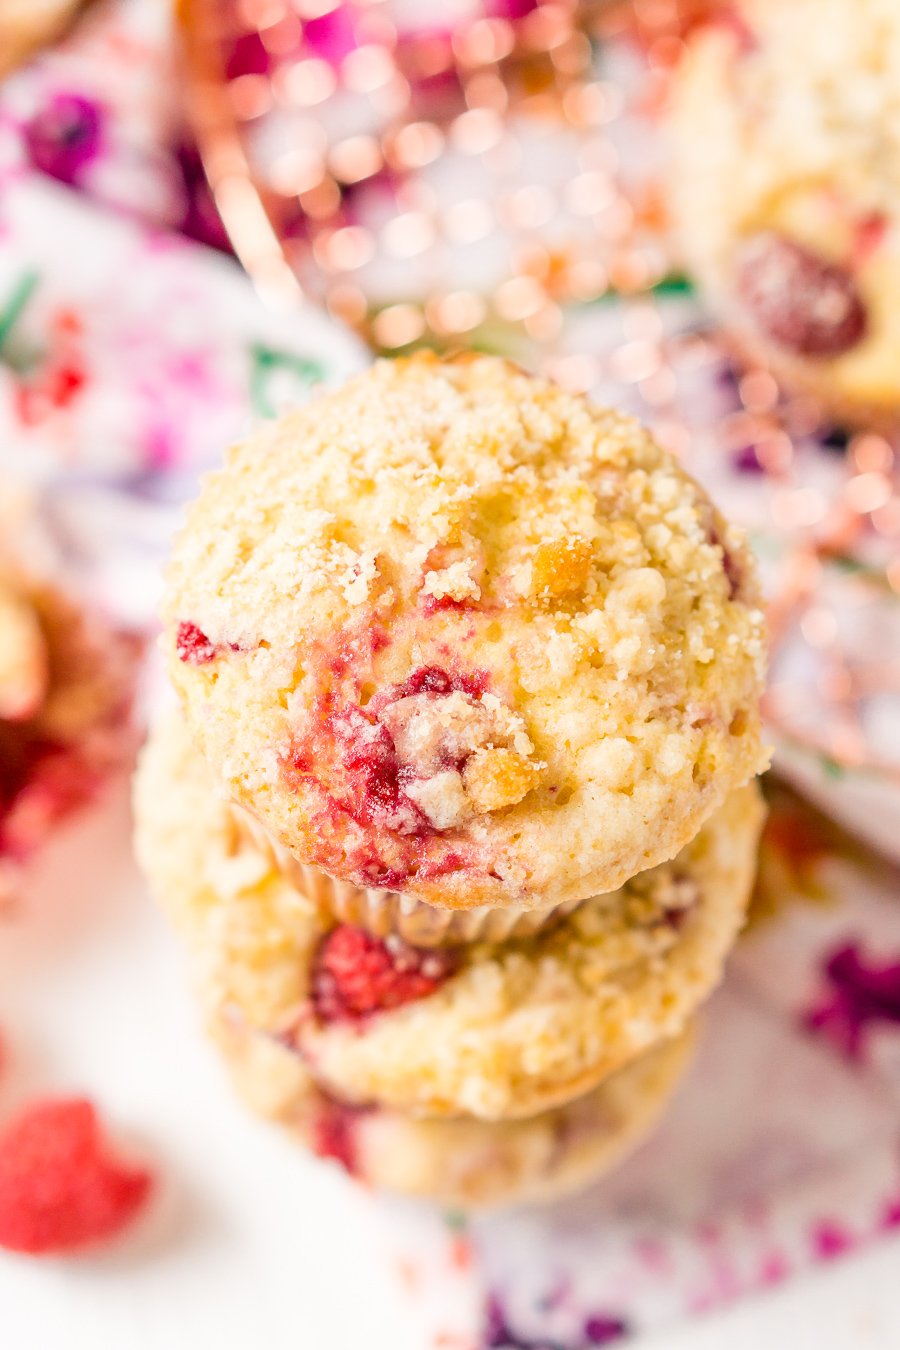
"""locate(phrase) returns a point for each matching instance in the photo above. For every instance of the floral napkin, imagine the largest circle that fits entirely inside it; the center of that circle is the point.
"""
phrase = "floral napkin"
(129, 356)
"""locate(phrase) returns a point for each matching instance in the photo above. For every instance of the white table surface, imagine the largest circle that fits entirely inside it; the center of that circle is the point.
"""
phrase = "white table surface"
(250, 1246)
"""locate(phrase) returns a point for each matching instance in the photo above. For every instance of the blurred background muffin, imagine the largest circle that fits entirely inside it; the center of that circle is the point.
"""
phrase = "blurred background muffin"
(66, 688)
(784, 185)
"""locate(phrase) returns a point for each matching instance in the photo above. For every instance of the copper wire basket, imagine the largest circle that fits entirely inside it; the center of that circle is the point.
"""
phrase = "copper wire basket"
(391, 173)
(548, 203)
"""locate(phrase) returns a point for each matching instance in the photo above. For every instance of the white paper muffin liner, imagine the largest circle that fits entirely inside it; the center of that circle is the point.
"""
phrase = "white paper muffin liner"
(387, 912)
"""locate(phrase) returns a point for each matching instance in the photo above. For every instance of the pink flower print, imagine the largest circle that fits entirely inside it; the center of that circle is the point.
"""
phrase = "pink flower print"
(65, 136)
(860, 993)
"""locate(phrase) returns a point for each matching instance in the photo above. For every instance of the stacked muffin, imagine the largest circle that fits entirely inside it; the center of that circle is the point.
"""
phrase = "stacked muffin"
(456, 812)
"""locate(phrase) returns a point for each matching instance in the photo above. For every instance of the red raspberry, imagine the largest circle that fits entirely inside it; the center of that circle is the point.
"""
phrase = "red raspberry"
(193, 646)
(368, 754)
(799, 300)
(60, 1188)
(357, 974)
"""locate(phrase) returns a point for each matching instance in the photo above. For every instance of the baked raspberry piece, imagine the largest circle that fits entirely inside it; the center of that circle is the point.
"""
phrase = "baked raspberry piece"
(357, 974)
(61, 1187)
(798, 299)
(435, 680)
(375, 776)
(333, 1134)
(434, 604)
(194, 646)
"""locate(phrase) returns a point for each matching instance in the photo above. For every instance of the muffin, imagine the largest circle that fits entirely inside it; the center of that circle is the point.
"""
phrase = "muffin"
(455, 635)
(24, 673)
(784, 185)
(464, 1164)
(490, 1030)
(66, 683)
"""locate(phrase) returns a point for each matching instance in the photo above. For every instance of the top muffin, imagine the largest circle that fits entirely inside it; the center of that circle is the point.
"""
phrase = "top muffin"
(785, 189)
(457, 633)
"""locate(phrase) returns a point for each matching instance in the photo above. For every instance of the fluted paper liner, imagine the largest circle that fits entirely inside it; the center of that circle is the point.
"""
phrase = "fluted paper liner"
(385, 912)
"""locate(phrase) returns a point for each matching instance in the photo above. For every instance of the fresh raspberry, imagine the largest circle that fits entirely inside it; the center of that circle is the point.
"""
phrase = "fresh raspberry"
(193, 646)
(60, 1187)
(357, 974)
(799, 300)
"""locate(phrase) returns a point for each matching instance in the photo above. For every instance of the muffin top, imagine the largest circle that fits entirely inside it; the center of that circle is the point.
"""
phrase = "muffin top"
(457, 633)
